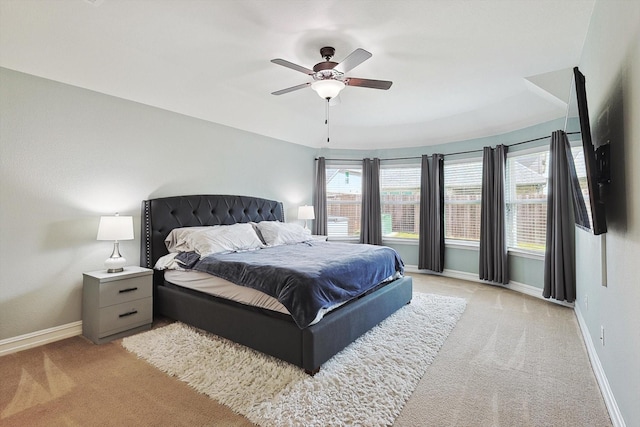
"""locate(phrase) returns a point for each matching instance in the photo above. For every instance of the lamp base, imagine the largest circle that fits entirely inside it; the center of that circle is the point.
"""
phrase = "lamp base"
(115, 264)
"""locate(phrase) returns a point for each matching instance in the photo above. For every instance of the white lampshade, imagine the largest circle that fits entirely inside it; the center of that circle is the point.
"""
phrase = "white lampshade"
(115, 228)
(328, 88)
(306, 212)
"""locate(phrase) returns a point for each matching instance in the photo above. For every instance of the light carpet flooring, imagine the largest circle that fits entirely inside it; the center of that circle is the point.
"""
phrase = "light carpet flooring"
(512, 360)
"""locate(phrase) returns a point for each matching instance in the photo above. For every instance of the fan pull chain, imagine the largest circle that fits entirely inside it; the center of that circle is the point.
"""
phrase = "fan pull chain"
(326, 120)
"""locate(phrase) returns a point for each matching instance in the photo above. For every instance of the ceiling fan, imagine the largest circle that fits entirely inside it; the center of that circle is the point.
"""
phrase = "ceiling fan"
(329, 76)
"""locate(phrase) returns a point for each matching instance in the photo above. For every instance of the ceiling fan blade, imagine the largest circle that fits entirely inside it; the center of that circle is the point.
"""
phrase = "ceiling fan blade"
(373, 84)
(354, 59)
(290, 89)
(292, 66)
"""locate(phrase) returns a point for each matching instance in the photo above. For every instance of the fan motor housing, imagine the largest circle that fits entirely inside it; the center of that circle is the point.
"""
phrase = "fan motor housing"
(326, 65)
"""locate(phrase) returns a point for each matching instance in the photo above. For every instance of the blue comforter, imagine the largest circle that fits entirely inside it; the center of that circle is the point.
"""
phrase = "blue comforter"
(307, 278)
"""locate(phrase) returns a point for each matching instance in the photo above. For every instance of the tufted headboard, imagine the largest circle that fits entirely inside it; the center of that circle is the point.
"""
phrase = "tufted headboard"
(160, 216)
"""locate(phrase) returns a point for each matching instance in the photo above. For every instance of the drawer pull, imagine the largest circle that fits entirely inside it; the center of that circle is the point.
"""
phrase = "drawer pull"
(130, 313)
(122, 291)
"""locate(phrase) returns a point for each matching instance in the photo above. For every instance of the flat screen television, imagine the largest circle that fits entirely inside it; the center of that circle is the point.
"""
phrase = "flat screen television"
(596, 159)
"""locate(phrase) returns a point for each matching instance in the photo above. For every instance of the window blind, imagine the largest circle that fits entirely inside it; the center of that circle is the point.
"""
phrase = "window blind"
(344, 201)
(526, 200)
(462, 194)
(400, 200)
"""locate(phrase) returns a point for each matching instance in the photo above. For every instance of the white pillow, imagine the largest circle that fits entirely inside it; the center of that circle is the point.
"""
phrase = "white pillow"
(168, 262)
(277, 233)
(224, 238)
(176, 241)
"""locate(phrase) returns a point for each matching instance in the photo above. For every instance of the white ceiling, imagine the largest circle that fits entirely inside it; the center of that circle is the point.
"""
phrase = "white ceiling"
(461, 69)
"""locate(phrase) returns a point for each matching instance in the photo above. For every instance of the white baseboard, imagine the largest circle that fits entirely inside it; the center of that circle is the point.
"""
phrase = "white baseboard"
(38, 338)
(601, 377)
(472, 277)
(535, 292)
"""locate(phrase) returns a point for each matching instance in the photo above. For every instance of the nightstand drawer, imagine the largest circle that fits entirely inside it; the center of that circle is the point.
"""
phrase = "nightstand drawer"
(128, 315)
(124, 290)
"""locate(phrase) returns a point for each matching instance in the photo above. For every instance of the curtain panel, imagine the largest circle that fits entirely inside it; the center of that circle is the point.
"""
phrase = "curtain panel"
(431, 239)
(493, 265)
(559, 259)
(320, 226)
(371, 216)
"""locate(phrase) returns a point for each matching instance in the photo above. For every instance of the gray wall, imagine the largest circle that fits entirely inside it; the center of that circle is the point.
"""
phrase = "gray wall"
(526, 269)
(69, 155)
(611, 65)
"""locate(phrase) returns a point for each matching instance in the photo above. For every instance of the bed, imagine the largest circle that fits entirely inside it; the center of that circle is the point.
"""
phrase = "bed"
(267, 331)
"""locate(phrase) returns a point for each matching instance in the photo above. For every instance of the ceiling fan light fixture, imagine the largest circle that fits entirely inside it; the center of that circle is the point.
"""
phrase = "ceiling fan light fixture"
(328, 88)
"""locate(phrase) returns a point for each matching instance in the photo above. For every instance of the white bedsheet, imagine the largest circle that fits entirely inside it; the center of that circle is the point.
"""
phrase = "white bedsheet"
(216, 286)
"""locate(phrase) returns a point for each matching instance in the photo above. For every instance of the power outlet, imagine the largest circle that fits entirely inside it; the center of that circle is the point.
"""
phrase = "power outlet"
(602, 335)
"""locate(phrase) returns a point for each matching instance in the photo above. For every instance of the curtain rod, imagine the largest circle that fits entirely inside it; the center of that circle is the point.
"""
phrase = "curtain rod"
(452, 154)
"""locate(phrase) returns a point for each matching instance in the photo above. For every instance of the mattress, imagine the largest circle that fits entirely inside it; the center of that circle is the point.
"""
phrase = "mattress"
(212, 285)
(222, 288)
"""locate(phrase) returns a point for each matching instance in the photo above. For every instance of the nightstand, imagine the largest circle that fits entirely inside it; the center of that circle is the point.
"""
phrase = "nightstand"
(115, 305)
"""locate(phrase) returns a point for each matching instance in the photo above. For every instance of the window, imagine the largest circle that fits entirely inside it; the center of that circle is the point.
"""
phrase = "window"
(462, 193)
(400, 200)
(526, 199)
(344, 201)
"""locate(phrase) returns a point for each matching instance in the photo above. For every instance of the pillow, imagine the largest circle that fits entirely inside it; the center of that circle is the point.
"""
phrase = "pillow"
(277, 233)
(224, 239)
(168, 262)
(176, 241)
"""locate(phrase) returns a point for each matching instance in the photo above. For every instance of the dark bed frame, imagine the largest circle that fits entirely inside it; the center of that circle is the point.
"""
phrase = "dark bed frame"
(275, 335)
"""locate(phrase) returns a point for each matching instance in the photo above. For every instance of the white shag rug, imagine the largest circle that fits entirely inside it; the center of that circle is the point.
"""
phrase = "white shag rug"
(367, 383)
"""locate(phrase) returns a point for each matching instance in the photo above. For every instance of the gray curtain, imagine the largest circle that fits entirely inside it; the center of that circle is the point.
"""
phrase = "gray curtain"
(371, 217)
(320, 199)
(431, 239)
(493, 264)
(559, 257)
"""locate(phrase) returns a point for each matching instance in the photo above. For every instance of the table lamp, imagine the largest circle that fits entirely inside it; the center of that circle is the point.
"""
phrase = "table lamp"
(115, 228)
(306, 212)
